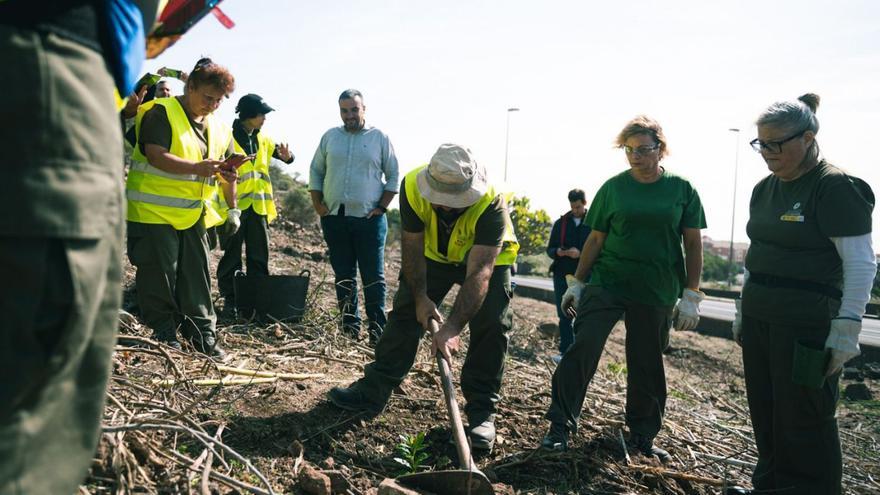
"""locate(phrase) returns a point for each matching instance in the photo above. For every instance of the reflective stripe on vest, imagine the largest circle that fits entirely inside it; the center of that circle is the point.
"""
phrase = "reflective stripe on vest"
(180, 200)
(254, 183)
(464, 231)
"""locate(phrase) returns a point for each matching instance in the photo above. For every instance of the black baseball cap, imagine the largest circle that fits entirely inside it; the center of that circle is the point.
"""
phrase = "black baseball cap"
(251, 105)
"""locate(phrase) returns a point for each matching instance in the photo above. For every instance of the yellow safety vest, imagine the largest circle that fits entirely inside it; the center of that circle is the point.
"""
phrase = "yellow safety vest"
(462, 238)
(254, 184)
(158, 197)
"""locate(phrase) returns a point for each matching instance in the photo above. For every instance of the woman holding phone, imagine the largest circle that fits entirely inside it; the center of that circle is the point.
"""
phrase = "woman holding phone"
(183, 160)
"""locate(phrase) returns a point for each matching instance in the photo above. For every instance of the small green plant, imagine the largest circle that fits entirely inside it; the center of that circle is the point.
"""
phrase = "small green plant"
(617, 368)
(412, 453)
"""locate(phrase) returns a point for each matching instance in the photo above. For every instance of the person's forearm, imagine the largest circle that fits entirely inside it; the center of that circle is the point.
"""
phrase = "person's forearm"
(387, 197)
(693, 260)
(413, 263)
(230, 193)
(553, 243)
(481, 264)
(589, 253)
(163, 160)
(317, 198)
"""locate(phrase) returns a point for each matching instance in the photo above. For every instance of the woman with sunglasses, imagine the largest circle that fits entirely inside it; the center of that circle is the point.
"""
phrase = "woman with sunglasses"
(640, 218)
(809, 272)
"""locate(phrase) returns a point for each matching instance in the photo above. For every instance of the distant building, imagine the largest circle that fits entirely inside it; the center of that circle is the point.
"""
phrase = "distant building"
(722, 249)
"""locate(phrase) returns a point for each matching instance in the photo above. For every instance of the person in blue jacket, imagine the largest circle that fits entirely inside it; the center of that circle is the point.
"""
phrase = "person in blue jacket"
(566, 239)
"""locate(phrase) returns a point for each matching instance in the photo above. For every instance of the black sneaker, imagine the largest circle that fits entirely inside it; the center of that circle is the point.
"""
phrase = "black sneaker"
(352, 399)
(169, 339)
(646, 446)
(482, 432)
(737, 490)
(556, 439)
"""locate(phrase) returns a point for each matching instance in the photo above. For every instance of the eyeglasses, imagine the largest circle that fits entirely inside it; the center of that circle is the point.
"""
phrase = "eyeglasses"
(772, 146)
(641, 150)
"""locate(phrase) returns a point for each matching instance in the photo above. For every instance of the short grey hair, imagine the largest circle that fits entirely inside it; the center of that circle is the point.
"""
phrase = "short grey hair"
(792, 116)
(350, 94)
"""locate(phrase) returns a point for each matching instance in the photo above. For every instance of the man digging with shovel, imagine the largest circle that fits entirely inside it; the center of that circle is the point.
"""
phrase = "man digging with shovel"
(456, 230)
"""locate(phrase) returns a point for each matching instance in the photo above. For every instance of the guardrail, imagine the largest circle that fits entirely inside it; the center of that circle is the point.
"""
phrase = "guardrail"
(872, 310)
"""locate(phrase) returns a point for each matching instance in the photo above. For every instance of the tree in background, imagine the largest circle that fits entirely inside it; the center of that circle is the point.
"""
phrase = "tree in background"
(715, 268)
(532, 227)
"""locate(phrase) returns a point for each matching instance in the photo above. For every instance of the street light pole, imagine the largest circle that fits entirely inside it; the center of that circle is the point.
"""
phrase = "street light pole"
(507, 140)
(730, 276)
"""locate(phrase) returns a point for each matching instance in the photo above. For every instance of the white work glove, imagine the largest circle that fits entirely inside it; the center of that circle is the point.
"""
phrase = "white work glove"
(686, 314)
(737, 323)
(233, 221)
(573, 294)
(843, 342)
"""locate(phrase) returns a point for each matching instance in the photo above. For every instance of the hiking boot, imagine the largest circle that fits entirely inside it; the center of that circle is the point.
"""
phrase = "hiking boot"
(646, 446)
(481, 431)
(353, 399)
(556, 439)
(208, 345)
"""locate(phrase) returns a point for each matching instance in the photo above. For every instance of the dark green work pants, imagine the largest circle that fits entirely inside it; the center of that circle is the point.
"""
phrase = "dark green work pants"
(647, 335)
(795, 426)
(484, 365)
(60, 258)
(60, 305)
(253, 232)
(173, 280)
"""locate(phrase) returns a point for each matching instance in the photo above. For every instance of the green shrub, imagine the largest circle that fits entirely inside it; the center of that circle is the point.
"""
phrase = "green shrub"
(297, 205)
(281, 181)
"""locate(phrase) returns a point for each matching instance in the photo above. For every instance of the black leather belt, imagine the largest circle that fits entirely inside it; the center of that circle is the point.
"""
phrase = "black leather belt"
(793, 283)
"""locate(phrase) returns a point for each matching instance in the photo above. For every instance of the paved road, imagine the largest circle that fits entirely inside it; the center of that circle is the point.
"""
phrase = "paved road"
(722, 309)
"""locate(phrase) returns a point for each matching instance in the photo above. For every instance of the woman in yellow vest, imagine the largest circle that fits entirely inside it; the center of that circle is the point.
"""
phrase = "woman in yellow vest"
(255, 198)
(173, 197)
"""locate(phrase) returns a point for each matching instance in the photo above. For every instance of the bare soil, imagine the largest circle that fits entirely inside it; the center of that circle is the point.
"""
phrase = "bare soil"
(281, 426)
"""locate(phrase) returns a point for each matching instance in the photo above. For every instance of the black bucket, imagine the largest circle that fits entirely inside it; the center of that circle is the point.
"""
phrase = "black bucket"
(283, 297)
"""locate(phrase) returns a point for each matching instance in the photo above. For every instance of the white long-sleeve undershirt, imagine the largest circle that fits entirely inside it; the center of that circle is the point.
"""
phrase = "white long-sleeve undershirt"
(859, 268)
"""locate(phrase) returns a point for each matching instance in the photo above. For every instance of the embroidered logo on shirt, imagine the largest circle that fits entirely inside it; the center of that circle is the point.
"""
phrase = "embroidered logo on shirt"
(794, 214)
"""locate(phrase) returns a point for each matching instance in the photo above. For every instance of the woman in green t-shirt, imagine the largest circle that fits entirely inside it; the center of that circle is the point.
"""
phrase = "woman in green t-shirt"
(809, 272)
(639, 218)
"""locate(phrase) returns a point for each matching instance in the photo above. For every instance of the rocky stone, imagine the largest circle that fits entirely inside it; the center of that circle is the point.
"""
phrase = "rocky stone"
(338, 482)
(857, 391)
(392, 487)
(852, 374)
(314, 482)
(549, 330)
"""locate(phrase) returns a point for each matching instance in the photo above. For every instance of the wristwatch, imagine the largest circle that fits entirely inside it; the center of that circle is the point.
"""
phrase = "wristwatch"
(384, 210)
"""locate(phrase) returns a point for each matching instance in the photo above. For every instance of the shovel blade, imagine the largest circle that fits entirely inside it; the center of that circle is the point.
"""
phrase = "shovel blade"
(458, 482)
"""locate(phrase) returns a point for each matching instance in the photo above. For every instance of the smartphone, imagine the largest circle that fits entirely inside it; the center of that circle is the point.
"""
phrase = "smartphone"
(172, 73)
(236, 157)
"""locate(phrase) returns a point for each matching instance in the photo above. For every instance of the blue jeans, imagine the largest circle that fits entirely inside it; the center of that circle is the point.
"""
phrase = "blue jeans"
(358, 242)
(566, 336)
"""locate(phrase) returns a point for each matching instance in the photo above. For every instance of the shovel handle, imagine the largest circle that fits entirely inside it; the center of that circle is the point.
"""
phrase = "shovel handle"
(461, 443)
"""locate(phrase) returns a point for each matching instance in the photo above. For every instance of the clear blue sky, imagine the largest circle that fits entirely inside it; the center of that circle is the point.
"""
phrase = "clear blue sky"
(435, 72)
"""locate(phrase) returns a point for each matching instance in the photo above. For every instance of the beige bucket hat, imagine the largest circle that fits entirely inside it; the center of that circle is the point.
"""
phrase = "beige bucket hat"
(453, 178)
